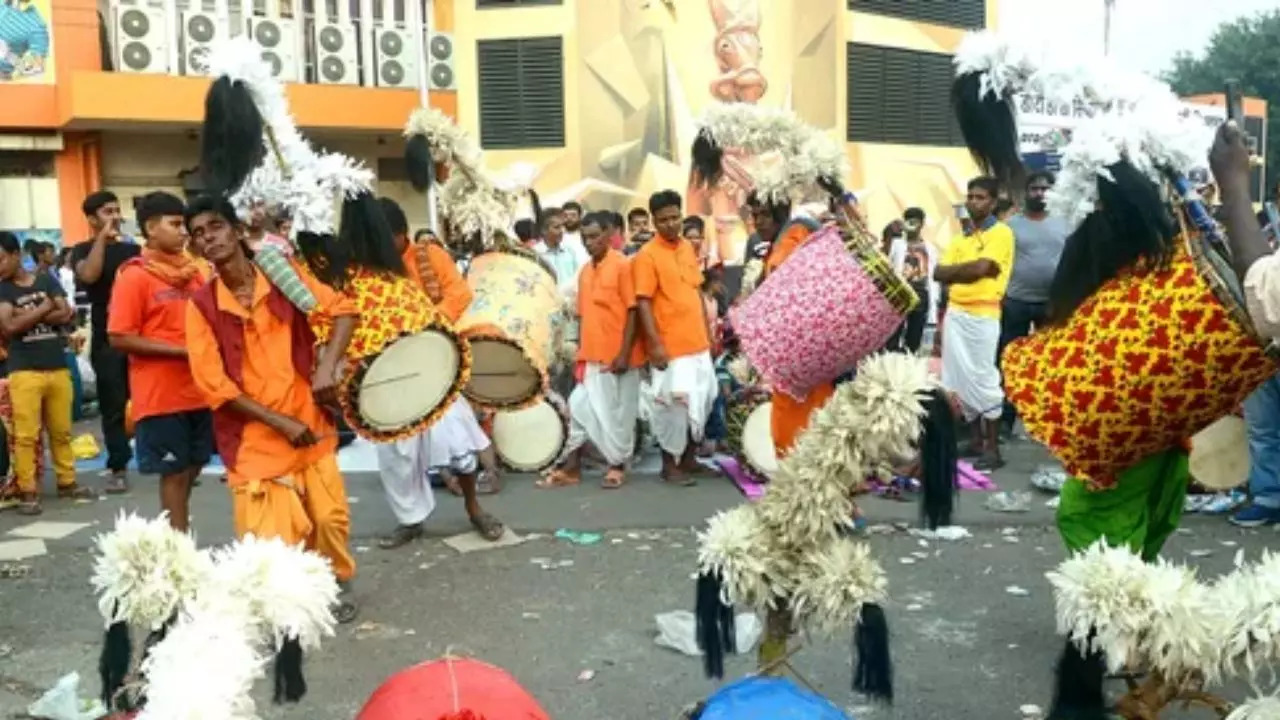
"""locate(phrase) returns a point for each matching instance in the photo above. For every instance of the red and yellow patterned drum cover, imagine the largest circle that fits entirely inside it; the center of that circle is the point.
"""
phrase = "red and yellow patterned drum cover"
(1146, 362)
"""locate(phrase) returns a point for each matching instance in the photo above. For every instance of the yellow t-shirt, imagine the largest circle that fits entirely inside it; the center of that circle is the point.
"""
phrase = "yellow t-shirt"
(981, 298)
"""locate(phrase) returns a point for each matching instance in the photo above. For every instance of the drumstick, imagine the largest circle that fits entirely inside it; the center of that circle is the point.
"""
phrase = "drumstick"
(388, 381)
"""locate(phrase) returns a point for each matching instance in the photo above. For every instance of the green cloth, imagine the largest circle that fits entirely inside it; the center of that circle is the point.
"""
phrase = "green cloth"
(1141, 511)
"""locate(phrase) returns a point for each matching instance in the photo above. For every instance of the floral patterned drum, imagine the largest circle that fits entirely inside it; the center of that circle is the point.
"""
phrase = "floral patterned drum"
(823, 310)
(1150, 359)
(511, 324)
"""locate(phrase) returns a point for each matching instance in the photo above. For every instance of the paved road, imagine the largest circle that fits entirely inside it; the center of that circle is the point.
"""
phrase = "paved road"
(966, 649)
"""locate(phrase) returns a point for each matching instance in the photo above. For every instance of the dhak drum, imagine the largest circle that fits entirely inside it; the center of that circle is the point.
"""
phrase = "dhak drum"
(750, 436)
(1153, 357)
(452, 687)
(1220, 454)
(531, 439)
(406, 365)
(512, 324)
(821, 312)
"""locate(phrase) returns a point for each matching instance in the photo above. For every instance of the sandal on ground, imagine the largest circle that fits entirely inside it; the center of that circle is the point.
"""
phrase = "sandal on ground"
(29, 505)
(345, 611)
(557, 479)
(696, 469)
(488, 526)
(401, 536)
(488, 482)
(614, 478)
(989, 463)
(117, 485)
(77, 492)
(677, 478)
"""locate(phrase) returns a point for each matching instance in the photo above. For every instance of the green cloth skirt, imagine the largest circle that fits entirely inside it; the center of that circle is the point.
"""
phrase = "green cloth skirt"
(1140, 512)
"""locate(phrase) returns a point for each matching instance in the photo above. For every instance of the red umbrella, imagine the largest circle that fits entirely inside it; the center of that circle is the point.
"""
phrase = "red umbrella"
(452, 689)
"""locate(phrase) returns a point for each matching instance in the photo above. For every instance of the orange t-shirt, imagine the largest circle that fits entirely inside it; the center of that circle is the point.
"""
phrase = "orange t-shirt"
(606, 294)
(792, 237)
(449, 291)
(670, 277)
(269, 378)
(144, 305)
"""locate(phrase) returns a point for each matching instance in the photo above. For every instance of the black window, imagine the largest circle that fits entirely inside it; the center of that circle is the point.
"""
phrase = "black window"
(521, 92)
(970, 14)
(900, 96)
(515, 3)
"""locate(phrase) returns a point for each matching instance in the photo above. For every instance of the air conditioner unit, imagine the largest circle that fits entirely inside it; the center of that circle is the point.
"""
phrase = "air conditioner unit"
(200, 30)
(395, 64)
(337, 62)
(440, 50)
(278, 39)
(140, 41)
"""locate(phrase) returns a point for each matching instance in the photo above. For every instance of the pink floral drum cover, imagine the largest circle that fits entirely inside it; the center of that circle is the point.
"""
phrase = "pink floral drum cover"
(816, 316)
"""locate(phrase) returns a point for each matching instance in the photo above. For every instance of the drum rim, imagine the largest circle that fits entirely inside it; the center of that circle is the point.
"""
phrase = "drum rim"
(348, 397)
(561, 409)
(746, 421)
(519, 253)
(1198, 249)
(519, 403)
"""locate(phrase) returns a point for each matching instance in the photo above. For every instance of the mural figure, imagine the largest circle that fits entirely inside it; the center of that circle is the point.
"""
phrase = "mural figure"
(24, 40)
(738, 52)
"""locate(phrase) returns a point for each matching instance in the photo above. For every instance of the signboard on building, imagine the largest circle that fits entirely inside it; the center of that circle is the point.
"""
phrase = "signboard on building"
(1046, 126)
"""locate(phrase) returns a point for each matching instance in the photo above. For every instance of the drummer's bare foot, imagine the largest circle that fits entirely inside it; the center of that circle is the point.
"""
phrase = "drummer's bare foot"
(489, 482)
(559, 478)
(401, 536)
(614, 478)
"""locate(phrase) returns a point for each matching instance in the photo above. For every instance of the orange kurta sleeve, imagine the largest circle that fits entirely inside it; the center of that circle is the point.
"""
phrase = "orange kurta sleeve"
(456, 293)
(790, 240)
(206, 362)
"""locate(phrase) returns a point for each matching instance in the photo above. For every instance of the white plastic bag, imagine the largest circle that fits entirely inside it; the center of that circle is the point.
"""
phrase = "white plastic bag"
(62, 702)
(678, 630)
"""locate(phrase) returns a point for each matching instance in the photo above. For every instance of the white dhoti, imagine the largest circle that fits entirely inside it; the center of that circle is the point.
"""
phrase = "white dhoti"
(969, 346)
(451, 443)
(683, 395)
(603, 409)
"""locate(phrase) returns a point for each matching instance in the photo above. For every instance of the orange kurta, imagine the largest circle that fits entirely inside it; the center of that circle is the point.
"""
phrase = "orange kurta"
(670, 277)
(434, 269)
(790, 416)
(606, 296)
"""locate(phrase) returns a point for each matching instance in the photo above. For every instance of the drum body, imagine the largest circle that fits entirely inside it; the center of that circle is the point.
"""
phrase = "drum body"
(750, 436)
(821, 312)
(531, 439)
(512, 325)
(406, 365)
(1220, 454)
(1150, 359)
(451, 687)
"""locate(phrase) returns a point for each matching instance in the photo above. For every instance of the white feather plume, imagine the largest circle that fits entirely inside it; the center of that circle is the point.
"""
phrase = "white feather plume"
(1259, 708)
(732, 546)
(832, 584)
(204, 669)
(1104, 591)
(145, 571)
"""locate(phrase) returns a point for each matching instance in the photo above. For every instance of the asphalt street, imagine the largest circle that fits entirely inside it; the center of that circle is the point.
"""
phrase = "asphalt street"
(972, 619)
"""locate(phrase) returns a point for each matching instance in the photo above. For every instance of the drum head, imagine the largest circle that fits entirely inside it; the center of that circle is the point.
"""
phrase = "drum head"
(1220, 454)
(531, 439)
(501, 376)
(407, 380)
(757, 441)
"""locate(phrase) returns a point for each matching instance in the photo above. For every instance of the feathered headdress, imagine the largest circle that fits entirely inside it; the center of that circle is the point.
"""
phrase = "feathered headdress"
(477, 206)
(787, 160)
(215, 617)
(793, 549)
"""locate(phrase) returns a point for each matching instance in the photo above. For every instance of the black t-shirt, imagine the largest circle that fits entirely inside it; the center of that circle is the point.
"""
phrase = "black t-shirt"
(99, 293)
(43, 347)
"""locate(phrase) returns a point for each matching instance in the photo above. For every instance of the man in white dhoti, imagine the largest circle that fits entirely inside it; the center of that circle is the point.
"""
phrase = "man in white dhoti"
(976, 268)
(603, 407)
(668, 281)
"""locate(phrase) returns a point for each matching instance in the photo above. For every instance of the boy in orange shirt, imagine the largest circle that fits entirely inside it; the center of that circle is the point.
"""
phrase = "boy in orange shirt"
(668, 285)
(253, 356)
(603, 407)
(174, 428)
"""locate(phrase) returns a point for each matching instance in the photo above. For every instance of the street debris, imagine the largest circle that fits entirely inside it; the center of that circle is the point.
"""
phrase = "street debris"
(1017, 591)
(677, 630)
(578, 538)
(1008, 502)
(586, 675)
(469, 542)
(62, 702)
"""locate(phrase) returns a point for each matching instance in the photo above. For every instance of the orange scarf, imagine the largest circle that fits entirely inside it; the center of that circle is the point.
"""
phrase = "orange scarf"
(177, 270)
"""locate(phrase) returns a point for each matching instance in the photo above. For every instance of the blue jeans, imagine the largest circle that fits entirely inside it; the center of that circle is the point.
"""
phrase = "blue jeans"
(717, 423)
(1262, 415)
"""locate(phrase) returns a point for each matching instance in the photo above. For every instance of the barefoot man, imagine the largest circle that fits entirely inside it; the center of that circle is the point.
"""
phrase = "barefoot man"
(604, 405)
(668, 282)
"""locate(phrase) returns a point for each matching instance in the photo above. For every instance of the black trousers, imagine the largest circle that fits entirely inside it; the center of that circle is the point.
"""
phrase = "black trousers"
(112, 370)
(1017, 318)
(910, 334)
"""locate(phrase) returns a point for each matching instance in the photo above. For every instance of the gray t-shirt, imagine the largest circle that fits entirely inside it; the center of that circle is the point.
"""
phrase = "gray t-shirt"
(1037, 248)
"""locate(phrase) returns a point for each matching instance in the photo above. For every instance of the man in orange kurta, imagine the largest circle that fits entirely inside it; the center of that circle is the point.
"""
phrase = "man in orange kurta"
(252, 356)
(604, 406)
(668, 284)
(789, 416)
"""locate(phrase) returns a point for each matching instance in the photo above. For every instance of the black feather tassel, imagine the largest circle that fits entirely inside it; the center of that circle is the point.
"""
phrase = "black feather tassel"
(536, 204)
(113, 663)
(231, 138)
(938, 462)
(715, 630)
(989, 128)
(1077, 686)
(873, 675)
(291, 686)
(706, 156)
(419, 163)
(831, 185)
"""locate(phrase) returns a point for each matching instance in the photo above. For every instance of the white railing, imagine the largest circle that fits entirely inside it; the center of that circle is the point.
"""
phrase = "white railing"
(375, 43)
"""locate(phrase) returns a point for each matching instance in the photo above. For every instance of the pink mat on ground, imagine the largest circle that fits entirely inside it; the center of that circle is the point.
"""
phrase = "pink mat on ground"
(745, 481)
(967, 478)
